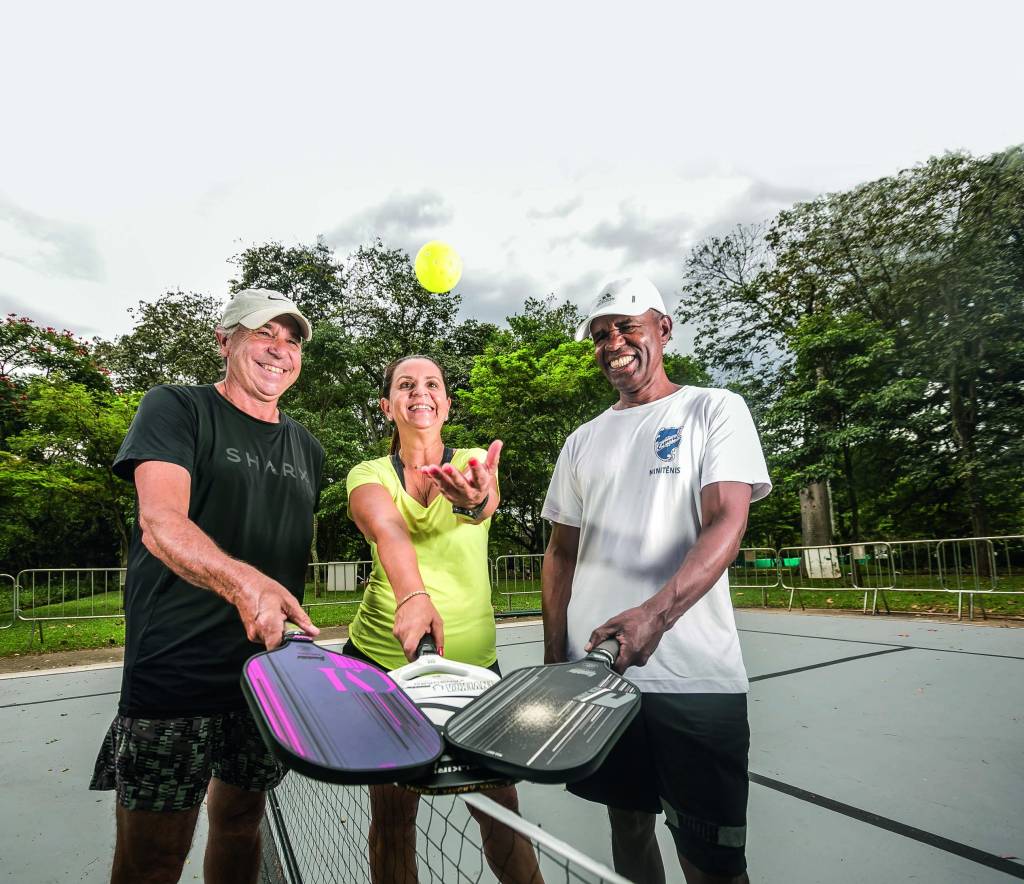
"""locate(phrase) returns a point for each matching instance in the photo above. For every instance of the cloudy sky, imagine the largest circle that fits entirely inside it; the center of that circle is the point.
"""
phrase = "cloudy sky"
(556, 145)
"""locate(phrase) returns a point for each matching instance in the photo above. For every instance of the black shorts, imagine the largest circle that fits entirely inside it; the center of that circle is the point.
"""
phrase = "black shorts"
(165, 764)
(686, 755)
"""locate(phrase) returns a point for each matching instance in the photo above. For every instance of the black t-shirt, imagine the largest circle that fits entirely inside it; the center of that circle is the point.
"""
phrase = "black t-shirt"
(255, 486)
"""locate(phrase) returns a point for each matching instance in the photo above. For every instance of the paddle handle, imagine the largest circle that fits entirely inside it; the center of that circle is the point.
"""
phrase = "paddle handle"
(426, 646)
(293, 632)
(606, 652)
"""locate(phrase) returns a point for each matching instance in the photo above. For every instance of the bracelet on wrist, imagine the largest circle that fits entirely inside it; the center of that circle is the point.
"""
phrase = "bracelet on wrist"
(411, 595)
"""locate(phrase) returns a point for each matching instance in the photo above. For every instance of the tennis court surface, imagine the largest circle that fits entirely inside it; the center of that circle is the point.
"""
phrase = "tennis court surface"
(883, 749)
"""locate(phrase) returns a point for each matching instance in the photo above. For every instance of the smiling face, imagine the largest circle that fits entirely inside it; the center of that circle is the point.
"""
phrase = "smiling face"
(416, 398)
(629, 351)
(263, 363)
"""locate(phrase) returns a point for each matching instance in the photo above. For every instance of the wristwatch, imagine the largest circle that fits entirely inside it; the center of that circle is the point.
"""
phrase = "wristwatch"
(474, 513)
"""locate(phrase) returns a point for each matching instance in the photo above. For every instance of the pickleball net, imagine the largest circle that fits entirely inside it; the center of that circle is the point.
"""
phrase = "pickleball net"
(315, 833)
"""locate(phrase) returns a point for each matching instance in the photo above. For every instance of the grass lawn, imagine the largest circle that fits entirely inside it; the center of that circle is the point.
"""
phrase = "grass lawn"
(525, 595)
(61, 635)
(900, 602)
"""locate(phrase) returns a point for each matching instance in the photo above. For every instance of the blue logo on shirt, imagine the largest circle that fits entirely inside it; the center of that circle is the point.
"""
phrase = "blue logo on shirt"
(666, 442)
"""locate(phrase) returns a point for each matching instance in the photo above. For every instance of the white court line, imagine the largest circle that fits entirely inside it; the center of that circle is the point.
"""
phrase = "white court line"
(61, 670)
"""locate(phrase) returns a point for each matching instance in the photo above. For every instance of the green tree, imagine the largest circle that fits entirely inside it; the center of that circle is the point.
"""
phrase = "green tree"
(879, 328)
(531, 388)
(172, 343)
(29, 351)
(310, 275)
(367, 310)
(58, 485)
(836, 408)
(933, 255)
(530, 399)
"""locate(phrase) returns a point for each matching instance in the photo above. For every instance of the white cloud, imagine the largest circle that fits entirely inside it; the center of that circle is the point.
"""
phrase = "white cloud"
(41, 315)
(151, 145)
(561, 210)
(399, 221)
(641, 237)
(49, 246)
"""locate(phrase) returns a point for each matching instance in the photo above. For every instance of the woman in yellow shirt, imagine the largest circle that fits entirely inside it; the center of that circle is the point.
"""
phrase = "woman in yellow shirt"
(425, 510)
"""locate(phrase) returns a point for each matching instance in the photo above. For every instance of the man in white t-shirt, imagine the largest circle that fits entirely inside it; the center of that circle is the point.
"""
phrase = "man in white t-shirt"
(648, 505)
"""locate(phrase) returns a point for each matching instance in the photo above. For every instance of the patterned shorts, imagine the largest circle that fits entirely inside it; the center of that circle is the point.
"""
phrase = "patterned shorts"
(165, 764)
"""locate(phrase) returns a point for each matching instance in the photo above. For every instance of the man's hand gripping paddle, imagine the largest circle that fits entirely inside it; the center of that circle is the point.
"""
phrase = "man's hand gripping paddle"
(441, 687)
(548, 724)
(336, 718)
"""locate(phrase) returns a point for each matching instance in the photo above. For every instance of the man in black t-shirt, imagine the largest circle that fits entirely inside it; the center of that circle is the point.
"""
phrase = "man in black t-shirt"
(226, 487)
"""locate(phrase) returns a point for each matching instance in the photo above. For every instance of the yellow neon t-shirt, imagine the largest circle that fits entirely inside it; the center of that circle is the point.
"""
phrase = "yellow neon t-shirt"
(452, 558)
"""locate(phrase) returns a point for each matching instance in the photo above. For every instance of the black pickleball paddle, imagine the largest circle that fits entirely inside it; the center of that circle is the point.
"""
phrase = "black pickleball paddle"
(548, 724)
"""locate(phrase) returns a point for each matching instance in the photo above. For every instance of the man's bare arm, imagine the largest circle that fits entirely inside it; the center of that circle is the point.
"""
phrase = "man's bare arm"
(724, 509)
(556, 588)
(167, 532)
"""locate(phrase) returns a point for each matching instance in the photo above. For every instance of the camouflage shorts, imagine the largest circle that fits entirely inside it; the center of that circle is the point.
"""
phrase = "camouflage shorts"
(165, 764)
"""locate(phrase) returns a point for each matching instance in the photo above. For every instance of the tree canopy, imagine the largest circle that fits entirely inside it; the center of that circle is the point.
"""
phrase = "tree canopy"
(878, 333)
(875, 333)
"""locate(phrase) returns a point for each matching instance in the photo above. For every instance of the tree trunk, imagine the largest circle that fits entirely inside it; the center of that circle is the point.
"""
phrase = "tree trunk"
(851, 494)
(963, 410)
(816, 530)
(816, 514)
(124, 537)
(816, 498)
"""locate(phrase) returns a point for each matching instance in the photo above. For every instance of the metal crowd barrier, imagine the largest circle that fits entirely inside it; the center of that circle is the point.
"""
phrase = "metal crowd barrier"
(860, 567)
(973, 567)
(40, 594)
(961, 566)
(336, 583)
(756, 567)
(8, 601)
(516, 579)
(69, 594)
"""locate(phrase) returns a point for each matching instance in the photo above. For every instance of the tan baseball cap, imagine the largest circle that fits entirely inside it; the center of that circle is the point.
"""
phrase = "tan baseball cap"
(631, 296)
(254, 308)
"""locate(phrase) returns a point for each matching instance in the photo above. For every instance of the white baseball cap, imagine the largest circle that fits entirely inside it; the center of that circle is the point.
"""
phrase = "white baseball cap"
(254, 308)
(631, 296)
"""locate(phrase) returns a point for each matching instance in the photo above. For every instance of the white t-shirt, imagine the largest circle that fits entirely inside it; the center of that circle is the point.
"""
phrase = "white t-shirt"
(630, 480)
